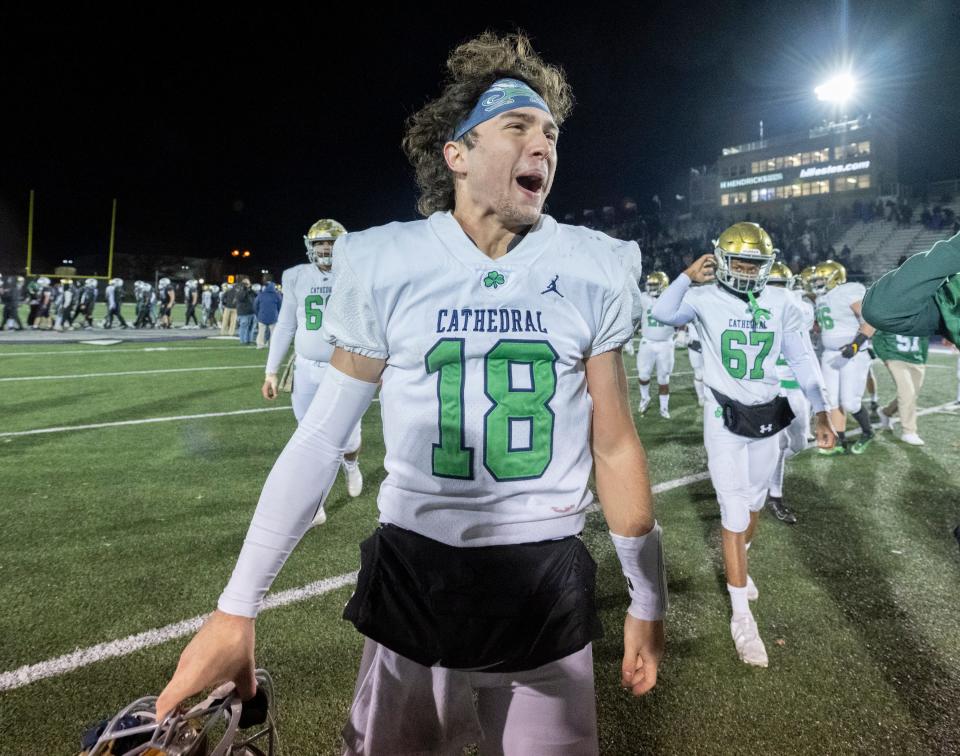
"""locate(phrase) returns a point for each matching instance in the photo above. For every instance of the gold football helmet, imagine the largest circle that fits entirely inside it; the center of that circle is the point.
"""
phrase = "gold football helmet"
(657, 282)
(324, 230)
(748, 243)
(780, 275)
(827, 275)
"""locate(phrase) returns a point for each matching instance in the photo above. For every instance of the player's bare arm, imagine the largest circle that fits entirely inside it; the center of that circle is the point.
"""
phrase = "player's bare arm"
(703, 269)
(623, 486)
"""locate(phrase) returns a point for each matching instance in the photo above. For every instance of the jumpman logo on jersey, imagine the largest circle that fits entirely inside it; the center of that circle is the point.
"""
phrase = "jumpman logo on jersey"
(552, 286)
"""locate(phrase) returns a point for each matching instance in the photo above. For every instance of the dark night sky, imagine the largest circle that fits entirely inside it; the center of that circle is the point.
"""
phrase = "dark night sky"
(242, 130)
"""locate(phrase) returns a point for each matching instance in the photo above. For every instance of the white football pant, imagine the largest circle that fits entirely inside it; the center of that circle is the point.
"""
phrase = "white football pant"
(845, 379)
(655, 354)
(793, 438)
(400, 706)
(740, 467)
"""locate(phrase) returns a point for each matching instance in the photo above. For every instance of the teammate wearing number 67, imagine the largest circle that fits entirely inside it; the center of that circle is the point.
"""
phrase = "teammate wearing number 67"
(497, 333)
(307, 289)
(745, 326)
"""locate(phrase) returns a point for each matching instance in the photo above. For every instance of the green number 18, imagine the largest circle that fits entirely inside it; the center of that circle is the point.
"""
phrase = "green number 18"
(514, 408)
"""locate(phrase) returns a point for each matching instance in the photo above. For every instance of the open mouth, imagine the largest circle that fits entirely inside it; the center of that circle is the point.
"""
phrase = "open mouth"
(532, 182)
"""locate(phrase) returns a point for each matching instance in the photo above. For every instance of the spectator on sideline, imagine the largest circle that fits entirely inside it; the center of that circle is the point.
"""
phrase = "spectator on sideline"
(246, 319)
(10, 295)
(228, 302)
(267, 307)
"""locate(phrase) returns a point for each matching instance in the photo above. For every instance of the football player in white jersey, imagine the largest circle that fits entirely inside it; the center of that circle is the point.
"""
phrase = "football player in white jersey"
(655, 352)
(744, 325)
(497, 333)
(845, 360)
(307, 289)
(793, 438)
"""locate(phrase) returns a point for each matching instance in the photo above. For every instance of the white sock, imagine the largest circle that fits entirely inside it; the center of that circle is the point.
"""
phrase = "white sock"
(350, 464)
(664, 402)
(645, 391)
(739, 600)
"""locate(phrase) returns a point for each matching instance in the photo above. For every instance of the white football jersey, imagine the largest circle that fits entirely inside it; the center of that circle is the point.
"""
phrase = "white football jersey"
(632, 262)
(739, 353)
(486, 414)
(306, 291)
(838, 323)
(806, 308)
(653, 329)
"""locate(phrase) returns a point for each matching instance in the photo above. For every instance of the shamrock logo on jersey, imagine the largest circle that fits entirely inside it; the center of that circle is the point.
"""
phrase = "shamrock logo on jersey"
(494, 279)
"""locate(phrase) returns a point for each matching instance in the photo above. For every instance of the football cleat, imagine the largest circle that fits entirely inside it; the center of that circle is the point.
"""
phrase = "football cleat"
(642, 407)
(911, 438)
(665, 414)
(746, 638)
(834, 451)
(220, 725)
(354, 479)
(861, 444)
(781, 511)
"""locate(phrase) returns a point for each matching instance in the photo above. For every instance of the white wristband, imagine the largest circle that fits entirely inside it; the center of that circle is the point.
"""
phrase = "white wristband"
(641, 559)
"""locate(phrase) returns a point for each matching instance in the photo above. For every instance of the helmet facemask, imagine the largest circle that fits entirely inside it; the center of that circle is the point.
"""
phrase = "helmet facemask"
(742, 282)
(320, 253)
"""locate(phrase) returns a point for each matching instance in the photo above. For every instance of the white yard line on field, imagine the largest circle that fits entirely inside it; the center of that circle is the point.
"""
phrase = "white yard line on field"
(117, 351)
(130, 372)
(117, 423)
(83, 657)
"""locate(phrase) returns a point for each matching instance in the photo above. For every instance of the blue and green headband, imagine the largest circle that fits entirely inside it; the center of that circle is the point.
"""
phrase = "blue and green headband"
(503, 95)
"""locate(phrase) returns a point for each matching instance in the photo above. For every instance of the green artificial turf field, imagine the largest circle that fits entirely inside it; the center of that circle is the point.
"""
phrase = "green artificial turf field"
(116, 530)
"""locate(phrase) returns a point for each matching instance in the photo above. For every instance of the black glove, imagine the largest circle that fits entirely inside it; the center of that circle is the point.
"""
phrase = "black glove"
(853, 347)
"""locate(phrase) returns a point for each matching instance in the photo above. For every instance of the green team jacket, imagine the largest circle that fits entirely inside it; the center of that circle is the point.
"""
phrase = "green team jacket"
(921, 297)
(891, 346)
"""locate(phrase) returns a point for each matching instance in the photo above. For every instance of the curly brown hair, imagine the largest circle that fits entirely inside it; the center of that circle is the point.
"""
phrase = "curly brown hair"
(471, 69)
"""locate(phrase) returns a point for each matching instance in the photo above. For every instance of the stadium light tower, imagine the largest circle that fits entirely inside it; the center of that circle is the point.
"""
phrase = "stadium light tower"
(838, 90)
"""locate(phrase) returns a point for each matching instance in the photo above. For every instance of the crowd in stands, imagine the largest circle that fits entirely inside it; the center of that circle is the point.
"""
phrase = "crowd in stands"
(802, 239)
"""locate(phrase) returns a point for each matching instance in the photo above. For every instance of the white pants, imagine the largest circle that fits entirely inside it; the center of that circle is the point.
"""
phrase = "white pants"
(740, 467)
(655, 354)
(793, 438)
(306, 378)
(401, 707)
(845, 379)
